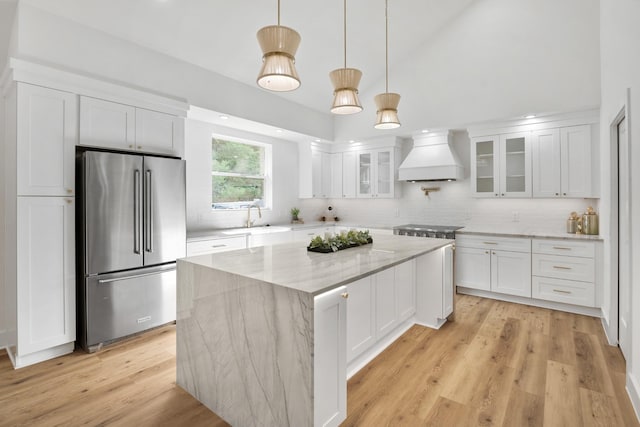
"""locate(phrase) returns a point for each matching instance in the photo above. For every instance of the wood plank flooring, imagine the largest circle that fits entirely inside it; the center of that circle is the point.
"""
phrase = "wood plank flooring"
(498, 364)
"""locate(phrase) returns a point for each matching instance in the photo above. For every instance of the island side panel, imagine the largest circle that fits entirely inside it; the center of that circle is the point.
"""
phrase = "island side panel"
(245, 347)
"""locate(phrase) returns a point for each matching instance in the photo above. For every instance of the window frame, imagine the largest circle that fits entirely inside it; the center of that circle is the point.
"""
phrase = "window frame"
(267, 177)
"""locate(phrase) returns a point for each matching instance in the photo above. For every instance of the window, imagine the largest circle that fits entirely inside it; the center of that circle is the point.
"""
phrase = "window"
(239, 173)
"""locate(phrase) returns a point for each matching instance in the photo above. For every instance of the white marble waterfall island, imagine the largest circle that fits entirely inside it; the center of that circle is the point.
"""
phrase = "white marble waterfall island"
(265, 336)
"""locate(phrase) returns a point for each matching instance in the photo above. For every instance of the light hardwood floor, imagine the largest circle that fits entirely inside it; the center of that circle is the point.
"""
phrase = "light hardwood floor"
(498, 364)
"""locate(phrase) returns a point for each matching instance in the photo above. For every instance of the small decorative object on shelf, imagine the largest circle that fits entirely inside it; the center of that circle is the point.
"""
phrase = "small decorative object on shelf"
(344, 240)
(294, 216)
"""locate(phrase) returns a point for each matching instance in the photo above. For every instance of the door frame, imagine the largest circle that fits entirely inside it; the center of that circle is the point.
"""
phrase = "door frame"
(614, 226)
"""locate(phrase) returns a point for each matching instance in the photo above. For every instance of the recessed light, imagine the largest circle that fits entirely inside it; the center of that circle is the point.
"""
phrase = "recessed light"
(425, 130)
(223, 117)
(279, 130)
(317, 140)
(351, 141)
(530, 116)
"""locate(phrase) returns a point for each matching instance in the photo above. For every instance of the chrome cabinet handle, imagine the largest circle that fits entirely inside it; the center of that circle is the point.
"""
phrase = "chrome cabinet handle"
(562, 248)
(559, 291)
(218, 246)
(490, 243)
(559, 267)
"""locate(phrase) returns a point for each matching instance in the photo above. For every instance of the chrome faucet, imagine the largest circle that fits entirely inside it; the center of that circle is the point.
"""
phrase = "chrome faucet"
(249, 222)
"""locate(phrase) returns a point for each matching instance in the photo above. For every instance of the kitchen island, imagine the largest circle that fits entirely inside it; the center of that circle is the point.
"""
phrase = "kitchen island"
(262, 335)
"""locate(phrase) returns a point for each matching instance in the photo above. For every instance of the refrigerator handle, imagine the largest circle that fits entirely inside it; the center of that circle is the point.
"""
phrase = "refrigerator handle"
(136, 211)
(149, 215)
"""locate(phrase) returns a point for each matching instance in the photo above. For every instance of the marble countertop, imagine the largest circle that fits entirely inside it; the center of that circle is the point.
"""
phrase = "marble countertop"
(219, 233)
(292, 266)
(519, 230)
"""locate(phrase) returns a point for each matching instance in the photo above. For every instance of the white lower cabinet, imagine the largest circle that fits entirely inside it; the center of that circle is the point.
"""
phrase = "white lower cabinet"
(330, 358)
(386, 302)
(405, 289)
(211, 246)
(46, 321)
(361, 320)
(434, 287)
(496, 264)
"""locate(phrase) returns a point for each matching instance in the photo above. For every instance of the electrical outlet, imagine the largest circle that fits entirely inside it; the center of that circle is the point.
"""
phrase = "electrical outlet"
(515, 216)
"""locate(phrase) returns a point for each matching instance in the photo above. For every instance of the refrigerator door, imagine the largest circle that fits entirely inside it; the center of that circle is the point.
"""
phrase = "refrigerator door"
(165, 231)
(121, 304)
(112, 211)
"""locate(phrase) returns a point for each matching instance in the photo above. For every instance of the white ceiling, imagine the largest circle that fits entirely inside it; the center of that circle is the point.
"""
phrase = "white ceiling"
(220, 35)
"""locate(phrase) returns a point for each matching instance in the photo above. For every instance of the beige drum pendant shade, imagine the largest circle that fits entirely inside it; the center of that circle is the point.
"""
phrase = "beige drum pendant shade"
(279, 45)
(387, 114)
(345, 96)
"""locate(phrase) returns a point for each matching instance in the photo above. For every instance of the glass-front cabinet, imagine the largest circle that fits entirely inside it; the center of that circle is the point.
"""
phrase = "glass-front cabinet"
(376, 173)
(500, 166)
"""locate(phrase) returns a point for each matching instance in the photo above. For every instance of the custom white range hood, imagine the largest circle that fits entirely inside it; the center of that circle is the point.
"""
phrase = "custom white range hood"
(431, 159)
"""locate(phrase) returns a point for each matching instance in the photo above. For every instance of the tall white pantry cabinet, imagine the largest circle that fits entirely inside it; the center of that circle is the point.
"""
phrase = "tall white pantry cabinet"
(39, 208)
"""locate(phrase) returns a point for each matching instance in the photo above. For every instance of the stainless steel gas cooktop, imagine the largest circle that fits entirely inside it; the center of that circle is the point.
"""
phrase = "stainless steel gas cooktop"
(422, 230)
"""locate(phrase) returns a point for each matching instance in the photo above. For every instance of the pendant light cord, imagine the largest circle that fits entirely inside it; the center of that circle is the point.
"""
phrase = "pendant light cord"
(345, 33)
(386, 44)
(278, 13)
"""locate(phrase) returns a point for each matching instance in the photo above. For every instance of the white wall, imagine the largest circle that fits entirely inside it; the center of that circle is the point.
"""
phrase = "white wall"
(452, 205)
(499, 59)
(620, 69)
(47, 38)
(198, 137)
(7, 14)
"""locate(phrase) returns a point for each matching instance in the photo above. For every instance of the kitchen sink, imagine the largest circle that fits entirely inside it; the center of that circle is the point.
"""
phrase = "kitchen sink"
(264, 229)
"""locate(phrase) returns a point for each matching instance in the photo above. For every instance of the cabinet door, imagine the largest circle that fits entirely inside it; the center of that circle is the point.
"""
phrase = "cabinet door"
(349, 174)
(473, 268)
(336, 175)
(330, 358)
(447, 281)
(365, 174)
(47, 136)
(545, 159)
(511, 273)
(386, 302)
(325, 176)
(515, 165)
(575, 143)
(107, 124)
(385, 173)
(485, 166)
(361, 321)
(46, 273)
(158, 132)
(406, 288)
(316, 179)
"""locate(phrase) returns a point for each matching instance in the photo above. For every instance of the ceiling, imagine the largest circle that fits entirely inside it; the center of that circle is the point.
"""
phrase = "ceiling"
(221, 35)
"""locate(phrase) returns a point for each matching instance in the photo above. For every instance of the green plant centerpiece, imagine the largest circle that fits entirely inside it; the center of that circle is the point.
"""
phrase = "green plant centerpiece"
(337, 242)
(294, 214)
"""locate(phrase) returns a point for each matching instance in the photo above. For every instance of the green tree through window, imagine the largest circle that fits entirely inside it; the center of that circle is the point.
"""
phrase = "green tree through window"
(238, 174)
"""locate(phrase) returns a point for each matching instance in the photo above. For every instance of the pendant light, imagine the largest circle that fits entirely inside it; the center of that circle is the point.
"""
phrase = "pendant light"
(345, 82)
(279, 45)
(387, 103)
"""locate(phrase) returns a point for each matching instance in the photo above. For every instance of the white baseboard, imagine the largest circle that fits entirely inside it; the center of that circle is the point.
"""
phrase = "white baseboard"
(611, 339)
(576, 309)
(20, 361)
(633, 390)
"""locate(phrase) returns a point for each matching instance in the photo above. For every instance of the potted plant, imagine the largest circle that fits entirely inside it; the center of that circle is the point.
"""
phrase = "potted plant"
(294, 214)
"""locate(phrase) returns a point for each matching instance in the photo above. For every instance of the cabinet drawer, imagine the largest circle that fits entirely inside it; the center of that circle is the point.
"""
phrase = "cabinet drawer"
(494, 243)
(216, 245)
(563, 247)
(563, 267)
(566, 291)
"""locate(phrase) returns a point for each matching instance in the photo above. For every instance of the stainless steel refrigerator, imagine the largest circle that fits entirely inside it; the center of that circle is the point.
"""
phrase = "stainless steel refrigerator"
(131, 230)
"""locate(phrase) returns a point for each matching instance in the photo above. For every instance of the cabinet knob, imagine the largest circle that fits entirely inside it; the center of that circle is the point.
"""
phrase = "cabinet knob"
(557, 194)
(345, 295)
(69, 191)
(139, 147)
(68, 201)
(502, 194)
(496, 194)
(130, 146)
(564, 194)
(493, 252)
(486, 252)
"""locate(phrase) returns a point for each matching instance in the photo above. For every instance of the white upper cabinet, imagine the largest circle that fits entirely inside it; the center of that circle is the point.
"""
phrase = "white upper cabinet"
(561, 160)
(349, 174)
(485, 166)
(46, 140)
(376, 173)
(515, 165)
(107, 124)
(158, 132)
(575, 153)
(545, 155)
(123, 127)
